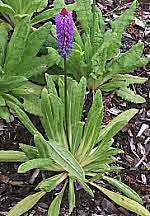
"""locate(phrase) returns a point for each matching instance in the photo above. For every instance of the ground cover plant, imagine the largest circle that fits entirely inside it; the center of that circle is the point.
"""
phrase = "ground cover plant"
(96, 54)
(75, 151)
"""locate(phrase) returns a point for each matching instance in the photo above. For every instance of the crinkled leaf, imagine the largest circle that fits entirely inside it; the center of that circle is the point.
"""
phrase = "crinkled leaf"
(11, 82)
(84, 14)
(33, 45)
(129, 95)
(130, 79)
(30, 151)
(128, 61)
(112, 85)
(123, 21)
(17, 45)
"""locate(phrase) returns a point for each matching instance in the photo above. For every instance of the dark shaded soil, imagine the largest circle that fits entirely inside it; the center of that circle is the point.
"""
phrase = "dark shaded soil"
(14, 187)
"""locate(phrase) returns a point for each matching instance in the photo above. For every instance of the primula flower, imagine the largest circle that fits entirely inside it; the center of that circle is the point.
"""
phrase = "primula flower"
(64, 31)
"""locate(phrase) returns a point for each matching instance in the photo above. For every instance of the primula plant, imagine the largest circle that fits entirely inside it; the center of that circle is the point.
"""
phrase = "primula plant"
(85, 157)
(96, 54)
(73, 151)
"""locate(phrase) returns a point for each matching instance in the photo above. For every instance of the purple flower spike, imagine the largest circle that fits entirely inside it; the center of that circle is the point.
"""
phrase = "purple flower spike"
(64, 31)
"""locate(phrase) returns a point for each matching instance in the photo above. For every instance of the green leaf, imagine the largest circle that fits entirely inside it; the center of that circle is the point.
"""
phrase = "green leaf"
(124, 188)
(98, 32)
(123, 201)
(77, 132)
(71, 195)
(42, 147)
(26, 204)
(40, 65)
(130, 79)
(127, 61)
(3, 43)
(43, 4)
(6, 9)
(86, 188)
(2, 101)
(35, 163)
(30, 94)
(77, 37)
(84, 14)
(55, 205)
(97, 165)
(50, 120)
(23, 117)
(112, 85)
(50, 183)
(129, 95)
(92, 127)
(88, 49)
(11, 98)
(31, 6)
(12, 156)
(122, 22)
(103, 146)
(17, 45)
(33, 45)
(64, 158)
(11, 82)
(30, 151)
(76, 94)
(50, 13)
(4, 112)
(125, 116)
(96, 178)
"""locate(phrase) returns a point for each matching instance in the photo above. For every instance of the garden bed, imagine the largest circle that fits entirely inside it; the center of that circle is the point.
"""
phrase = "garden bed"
(135, 159)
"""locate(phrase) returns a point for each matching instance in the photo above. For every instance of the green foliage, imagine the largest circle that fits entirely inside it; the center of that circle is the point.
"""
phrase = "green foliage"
(19, 61)
(96, 53)
(50, 13)
(129, 204)
(87, 156)
(14, 10)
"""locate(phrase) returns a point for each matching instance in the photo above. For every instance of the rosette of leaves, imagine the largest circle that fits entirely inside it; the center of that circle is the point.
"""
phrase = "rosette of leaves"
(96, 53)
(14, 10)
(85, 159)
(20, 56)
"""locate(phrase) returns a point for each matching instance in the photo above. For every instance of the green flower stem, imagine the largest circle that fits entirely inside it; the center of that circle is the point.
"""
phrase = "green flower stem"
(65, 98)
(92, 32)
